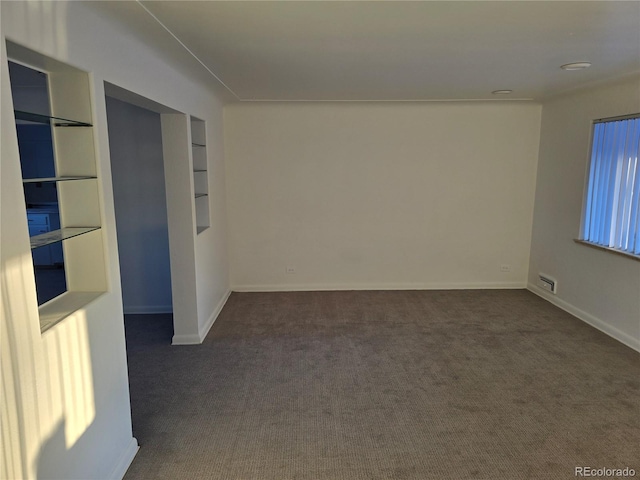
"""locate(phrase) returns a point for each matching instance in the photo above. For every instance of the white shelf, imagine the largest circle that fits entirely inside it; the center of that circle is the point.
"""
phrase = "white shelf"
(39, 119)
(57, 179)
(70, 165)
(62, 306)
(200, 174)
(59, 235)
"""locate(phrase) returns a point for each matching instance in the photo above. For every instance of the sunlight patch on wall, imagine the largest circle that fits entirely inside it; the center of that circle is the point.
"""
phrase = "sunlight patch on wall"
(20, 364)
(47, 380)
(69, 383)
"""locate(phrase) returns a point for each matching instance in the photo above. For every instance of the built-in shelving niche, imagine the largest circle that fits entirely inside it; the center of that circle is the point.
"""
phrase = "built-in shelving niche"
(71, 225)
(200, 174)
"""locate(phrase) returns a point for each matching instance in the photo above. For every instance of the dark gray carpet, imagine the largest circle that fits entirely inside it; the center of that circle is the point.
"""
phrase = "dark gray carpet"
(383, 385)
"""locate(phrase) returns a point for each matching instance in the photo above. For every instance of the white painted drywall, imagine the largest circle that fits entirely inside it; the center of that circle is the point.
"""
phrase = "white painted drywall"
(600, 287)
(65, 400)
(432, 195)
(212, 260)
(135, 144)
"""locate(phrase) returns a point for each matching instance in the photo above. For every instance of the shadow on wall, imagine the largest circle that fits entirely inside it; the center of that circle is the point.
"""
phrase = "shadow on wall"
(19, 410)
(51, 449)
(47, 380)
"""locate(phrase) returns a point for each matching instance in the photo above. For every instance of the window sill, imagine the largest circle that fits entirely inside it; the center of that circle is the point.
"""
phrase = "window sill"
(58, 308)
(608, 249)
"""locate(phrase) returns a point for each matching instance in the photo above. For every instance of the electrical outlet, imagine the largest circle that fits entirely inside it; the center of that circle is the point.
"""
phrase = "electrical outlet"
(505, 268)
(290, 270)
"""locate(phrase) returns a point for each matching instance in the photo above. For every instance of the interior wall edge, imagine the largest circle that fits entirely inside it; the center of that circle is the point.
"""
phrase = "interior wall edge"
(597, 323)
(204, 330)
(126, 459)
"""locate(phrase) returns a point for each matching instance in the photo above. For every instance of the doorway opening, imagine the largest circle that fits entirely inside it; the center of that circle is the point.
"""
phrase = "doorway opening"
(139, 192)
(135, 144)
(153, 186)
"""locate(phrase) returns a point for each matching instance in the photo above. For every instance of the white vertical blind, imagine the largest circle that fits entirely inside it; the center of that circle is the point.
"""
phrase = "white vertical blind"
(612, 210)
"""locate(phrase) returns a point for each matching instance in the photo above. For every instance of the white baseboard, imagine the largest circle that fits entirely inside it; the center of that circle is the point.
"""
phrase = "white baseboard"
(147, 309)
(595, 322)
(197, 339)
(191, 339)
(204, 330)
(125, 459)
(378, 286)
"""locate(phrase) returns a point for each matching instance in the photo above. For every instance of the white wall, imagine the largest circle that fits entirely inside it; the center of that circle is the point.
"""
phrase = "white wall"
(135, 145)
(65, 401)
(600, 287)
(435, 195)
(212, 260)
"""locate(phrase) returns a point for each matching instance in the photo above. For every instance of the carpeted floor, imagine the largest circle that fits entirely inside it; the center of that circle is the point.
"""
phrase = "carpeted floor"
(383, 385)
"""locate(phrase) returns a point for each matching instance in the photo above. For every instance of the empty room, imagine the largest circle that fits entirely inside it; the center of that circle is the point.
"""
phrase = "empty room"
(307, 240)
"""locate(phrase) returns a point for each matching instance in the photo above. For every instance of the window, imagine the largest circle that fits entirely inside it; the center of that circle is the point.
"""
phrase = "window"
(612, 211)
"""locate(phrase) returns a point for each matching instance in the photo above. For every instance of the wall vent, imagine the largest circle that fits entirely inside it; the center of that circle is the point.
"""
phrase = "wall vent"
(547, 283)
